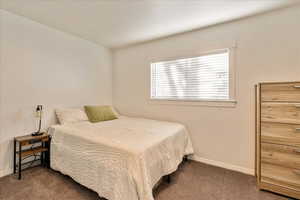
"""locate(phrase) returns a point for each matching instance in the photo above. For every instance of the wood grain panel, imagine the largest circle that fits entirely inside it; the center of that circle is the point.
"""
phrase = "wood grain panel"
(34, 151)
(278, 137)
(280, 190)
(277, 133)
(286, 156)
(281, 112)
(284, 92)
(280, 176)
(258, 133)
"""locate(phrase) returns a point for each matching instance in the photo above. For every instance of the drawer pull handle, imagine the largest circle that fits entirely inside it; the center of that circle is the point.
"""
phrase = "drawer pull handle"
(297, 129)
(297, 151)
(297, 86)
(296, 172)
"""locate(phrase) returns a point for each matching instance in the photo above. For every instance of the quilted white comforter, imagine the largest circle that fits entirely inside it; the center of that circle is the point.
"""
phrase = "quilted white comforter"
(120, 159)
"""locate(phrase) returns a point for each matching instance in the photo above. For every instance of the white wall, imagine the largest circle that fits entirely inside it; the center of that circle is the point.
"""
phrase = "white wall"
(268, 49)
(40, 65)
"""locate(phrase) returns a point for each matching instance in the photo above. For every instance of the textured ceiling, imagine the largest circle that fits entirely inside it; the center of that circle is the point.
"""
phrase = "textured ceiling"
(117, 23)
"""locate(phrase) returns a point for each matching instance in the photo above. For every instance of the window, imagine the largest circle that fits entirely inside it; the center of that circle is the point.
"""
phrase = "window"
(207, 77)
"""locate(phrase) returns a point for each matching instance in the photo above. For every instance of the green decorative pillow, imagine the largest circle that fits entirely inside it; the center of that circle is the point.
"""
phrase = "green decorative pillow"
(99, 113)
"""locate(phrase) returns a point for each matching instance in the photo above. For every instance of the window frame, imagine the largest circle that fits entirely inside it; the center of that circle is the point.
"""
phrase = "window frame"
(231, 102)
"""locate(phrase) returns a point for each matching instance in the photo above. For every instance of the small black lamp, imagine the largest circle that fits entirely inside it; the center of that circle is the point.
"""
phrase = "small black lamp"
(39, 110)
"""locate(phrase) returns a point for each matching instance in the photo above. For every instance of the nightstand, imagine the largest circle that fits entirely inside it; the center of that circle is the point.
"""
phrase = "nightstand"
(29, 149)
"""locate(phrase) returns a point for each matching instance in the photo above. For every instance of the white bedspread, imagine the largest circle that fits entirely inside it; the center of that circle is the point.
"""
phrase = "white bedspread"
(120, 159)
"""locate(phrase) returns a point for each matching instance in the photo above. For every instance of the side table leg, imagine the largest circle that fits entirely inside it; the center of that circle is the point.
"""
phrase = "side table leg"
(20, 161)
(47, 154)
(15, 149)
(43, 155)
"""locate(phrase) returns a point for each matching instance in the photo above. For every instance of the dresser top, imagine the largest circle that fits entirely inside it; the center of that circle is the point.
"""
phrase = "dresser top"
(287, 82)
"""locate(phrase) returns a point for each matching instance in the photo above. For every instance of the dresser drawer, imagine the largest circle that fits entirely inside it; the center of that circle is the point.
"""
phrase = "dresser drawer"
(286, 134)
(280, 112)
(285, 92)
(286, 156)
(281, 176)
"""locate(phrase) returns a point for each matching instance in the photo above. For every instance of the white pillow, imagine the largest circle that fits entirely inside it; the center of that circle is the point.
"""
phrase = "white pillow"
(69, 115)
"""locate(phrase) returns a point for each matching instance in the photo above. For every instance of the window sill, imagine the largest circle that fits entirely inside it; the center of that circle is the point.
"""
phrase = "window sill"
(204, 103)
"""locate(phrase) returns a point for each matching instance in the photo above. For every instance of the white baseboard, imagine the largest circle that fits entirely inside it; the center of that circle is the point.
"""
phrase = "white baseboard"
(224, 165)
(5, 172)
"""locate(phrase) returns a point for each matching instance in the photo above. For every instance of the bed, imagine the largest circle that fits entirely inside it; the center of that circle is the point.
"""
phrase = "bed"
(121, 159)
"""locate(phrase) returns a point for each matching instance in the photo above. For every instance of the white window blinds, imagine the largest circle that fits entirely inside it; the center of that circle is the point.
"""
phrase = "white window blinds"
(198, 78)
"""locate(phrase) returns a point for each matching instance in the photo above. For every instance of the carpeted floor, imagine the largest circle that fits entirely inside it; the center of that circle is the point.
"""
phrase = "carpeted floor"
(192, 181)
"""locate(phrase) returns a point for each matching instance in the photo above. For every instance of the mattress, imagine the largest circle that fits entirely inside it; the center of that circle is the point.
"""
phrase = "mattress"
(120, 159)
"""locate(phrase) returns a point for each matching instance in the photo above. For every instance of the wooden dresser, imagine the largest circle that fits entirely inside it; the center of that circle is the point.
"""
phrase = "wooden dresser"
(278, 137)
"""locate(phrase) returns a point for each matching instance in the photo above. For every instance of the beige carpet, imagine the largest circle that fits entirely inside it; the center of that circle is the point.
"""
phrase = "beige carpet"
(192, 181)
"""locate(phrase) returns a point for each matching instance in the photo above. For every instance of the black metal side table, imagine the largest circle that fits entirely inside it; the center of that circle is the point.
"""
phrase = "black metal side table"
(32, 149)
